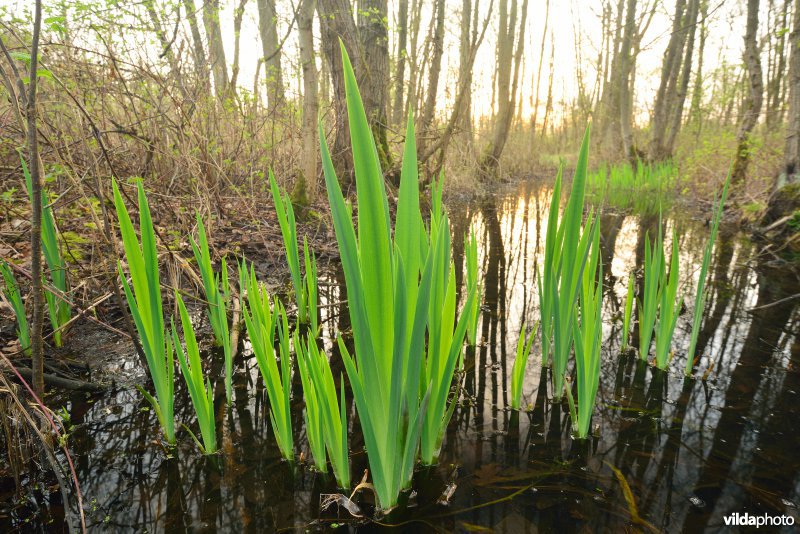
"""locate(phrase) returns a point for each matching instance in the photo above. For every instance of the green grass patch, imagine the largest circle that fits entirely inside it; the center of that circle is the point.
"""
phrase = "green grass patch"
(644, 188)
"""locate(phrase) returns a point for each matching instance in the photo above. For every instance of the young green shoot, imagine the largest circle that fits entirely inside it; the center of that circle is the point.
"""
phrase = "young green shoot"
(262, 322)
(326, 419)
(444, 344)
(588, 331)
(305, 289)
(669, 308)
(310, 281)
(217, 292)
(566, 249)
(12, 293)
(546, 282)
(473, 285)
(144, 300)
(395, 284)
(700, 295)
(58, 309)
(647, 305)
(626, 318)
(200, 390)
(518, 369)
(314, 399)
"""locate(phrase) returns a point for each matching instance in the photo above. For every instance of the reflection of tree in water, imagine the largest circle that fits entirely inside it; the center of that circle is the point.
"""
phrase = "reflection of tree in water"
(493, 326)
(657, 429)
(610, 225)
(747, 381)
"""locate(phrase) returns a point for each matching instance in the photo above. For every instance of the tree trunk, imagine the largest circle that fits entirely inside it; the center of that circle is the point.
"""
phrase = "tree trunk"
(400, 73)
(669, 73)
(460, 106)
(506, 88)
(607, 55)
(754, 97)
(336, 22)
(548, 107)
(324, 82)
(306, 185)
(198, 52)
(695, 110)
(216, 50)
(503, 60)
(238, 14)
(166, 46)
(535, 102)
(37, 344)
(416, 8)
(601, 60)
(465, 69)
(374, 37)
(433, 78)
(683, 87)
(626, 117)
(791, 155)
(774, 102)
(609, 115)
(268, 30)
(783, 83)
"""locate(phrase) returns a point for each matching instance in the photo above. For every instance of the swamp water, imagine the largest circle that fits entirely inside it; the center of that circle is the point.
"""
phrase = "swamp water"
(667, 453)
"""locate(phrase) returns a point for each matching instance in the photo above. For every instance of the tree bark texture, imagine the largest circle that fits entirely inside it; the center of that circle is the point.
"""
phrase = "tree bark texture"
(683, 85)
(198, 51)
(538, 82)
(507, 60)
(336, 22)
(37, 344)
(465, 69)
(609, 109)
(437, 45)
(669, 75)
(695, 110)
(791, 159)
(268, 29)
(625, 104)
(216, 50)
(307, 182)
(238, 15)
(751, 107)
(413, 61)
(775, 95)
(374, 81)
(400, 72)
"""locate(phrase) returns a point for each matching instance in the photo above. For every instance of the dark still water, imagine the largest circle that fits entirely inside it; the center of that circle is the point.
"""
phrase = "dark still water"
(668, 454)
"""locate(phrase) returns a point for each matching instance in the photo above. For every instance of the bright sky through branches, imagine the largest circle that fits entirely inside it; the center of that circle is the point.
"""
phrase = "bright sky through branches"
(574, 25)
